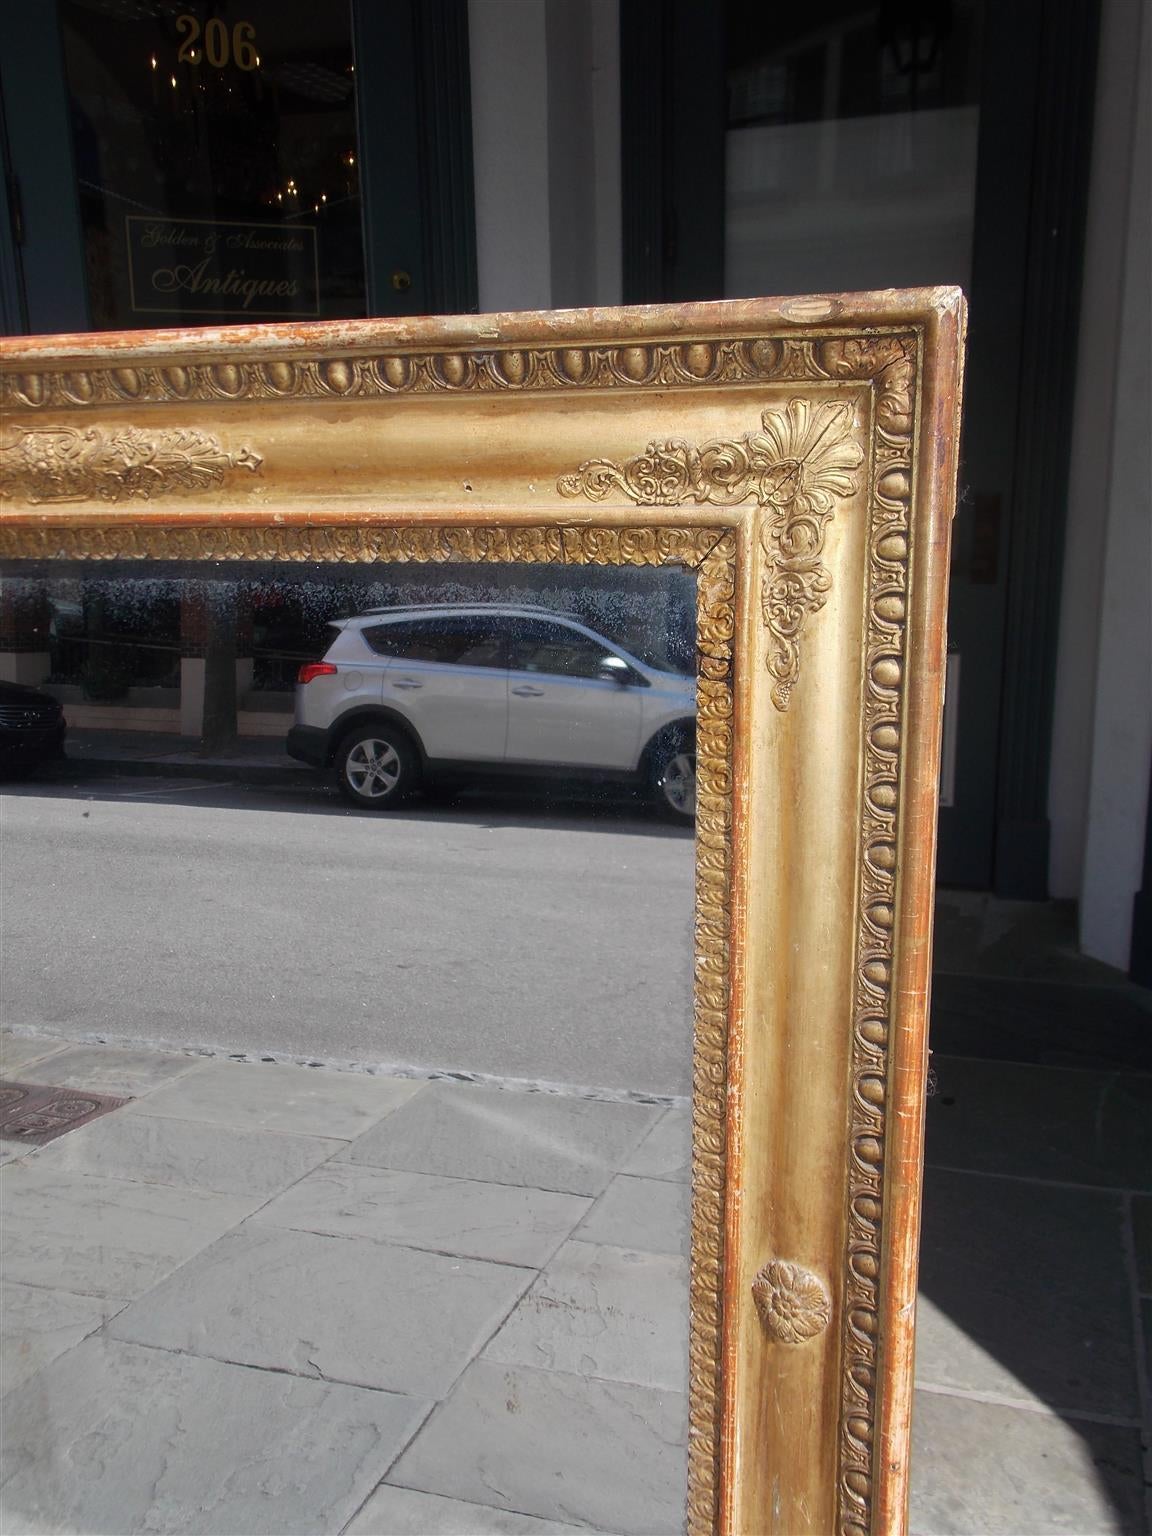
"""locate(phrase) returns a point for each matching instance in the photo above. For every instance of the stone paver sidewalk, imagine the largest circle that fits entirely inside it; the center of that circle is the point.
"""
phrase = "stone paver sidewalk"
(266, 1298)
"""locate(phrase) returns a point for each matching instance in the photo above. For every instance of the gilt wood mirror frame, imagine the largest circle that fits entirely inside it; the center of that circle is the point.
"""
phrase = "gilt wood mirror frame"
(800, 456)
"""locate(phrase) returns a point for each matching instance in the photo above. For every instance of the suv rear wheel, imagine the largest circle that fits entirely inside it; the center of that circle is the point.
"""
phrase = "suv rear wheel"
(375, 765)
(672, 774)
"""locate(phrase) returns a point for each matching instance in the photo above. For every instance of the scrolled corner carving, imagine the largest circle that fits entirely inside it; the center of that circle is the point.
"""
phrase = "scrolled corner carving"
(60, 464)
(792, 1302)
(816, 459)
(800, 454)
(802, 460)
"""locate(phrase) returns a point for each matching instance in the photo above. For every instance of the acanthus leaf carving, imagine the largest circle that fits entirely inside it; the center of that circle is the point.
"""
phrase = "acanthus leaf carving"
(886, 358)
(817, 457)
(802, 461)
(55, 464)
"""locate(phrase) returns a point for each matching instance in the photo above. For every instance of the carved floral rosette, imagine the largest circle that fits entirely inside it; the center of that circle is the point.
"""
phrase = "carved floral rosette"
(793, 1302)
(791, 532)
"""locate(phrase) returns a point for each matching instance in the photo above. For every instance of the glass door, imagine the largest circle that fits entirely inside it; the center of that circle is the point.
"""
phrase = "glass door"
(850, 147)
(864, 144)
(216, 161)
(207, 162)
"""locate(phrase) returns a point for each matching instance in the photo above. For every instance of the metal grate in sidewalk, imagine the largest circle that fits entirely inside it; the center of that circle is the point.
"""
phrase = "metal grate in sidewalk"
(35, 1113)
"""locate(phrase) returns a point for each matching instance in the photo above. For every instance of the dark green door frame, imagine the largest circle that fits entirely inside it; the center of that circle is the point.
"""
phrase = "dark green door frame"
(1037, 100)
(41, 243)
(673, 111)
(415, 119)
(1064, 39)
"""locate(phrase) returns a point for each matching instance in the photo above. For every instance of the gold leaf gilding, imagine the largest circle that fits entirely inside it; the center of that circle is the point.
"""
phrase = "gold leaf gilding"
(796, 467)
(46, 464)
(797, 479)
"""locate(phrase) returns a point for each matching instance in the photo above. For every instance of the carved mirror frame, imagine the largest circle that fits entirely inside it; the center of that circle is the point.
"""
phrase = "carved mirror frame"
(800, 456)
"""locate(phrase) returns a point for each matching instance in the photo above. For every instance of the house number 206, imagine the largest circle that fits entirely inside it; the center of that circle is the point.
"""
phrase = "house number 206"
(221, 46)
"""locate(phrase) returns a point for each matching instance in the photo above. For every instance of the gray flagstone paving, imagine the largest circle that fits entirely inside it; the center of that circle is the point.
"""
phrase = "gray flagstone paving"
(19, 1051)
(152, 1149)
(1018, 1327)
(505, 1222)
(112, 1438)
(608, 1312)
(609, 1454)
(1044, 1474)
(498, 1274)
(652, 1214)
(104, 1237)
(666, 1152)
(540, 1139)
(267, 1096)
(113, 1069)
(36, 1325)
(367, 1313)
(404, 1512)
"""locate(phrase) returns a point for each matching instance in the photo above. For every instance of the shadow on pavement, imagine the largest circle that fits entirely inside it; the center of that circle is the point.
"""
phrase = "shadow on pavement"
(527, 804)
(1036, 1249)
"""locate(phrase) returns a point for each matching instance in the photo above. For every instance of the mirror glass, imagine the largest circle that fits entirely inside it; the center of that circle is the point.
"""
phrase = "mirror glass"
(355, 902)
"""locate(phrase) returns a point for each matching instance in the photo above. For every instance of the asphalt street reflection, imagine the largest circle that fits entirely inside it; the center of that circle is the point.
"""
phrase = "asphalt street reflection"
(486, 932)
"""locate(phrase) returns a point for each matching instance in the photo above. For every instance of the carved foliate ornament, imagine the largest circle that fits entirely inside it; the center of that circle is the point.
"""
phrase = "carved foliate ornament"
(803, 453)
(816, 459)
(42, 464)
(803, 459)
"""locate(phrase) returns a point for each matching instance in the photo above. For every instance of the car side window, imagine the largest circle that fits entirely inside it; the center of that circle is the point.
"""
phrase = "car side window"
(387, 639)
(542, 647)
(468, 641)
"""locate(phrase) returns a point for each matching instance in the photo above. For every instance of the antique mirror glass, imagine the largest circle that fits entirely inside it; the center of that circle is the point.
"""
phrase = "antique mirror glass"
(527, 724)
(479, 894)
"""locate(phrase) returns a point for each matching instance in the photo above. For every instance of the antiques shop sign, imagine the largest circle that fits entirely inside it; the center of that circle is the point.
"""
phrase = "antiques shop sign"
(193, 267)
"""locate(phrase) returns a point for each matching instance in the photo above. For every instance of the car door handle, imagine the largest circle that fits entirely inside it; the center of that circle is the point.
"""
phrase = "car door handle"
(407, 682)
(526, 691)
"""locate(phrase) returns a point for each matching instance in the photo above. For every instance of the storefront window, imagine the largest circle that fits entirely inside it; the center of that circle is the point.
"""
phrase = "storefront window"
(112, 642)
(217, 160)
(851, 145)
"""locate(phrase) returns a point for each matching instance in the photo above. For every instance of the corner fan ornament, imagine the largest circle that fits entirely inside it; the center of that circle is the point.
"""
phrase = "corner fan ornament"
(803, 459)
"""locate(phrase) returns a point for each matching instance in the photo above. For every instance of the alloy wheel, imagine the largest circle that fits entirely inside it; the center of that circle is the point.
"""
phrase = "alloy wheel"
(678, 783)
(373, 768)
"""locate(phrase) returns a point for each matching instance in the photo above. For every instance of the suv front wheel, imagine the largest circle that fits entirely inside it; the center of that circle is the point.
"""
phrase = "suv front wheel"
(375, 766)
(672, 774)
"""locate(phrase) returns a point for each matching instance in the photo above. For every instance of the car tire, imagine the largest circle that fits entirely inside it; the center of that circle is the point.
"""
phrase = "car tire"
(376, 765)
(672, 774)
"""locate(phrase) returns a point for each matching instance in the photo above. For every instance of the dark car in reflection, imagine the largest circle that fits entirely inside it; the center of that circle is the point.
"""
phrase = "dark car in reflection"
(32, 728)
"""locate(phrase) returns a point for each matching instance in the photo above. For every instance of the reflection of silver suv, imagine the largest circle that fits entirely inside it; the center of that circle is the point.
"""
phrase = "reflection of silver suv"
(409, 693)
